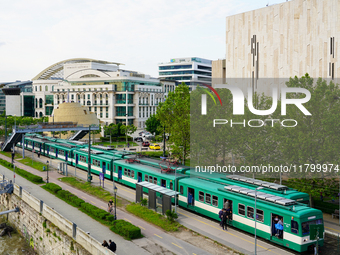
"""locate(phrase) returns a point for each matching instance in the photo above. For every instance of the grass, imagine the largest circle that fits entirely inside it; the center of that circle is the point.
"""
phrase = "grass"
(36, 165)
(9, 154)
(90, 189)
(153, 217)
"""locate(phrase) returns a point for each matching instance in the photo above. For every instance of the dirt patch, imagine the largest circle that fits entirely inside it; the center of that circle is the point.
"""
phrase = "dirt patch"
(203, 242)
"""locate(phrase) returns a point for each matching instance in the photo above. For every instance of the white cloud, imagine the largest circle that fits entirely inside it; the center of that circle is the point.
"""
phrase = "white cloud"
(141, 34)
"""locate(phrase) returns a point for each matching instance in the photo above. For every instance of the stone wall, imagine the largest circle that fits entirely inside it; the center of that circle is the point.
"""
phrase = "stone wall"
(47, 231)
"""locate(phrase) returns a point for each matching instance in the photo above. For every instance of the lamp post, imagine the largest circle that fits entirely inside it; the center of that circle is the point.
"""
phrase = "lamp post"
(15, 121)
(47, 162)
(115, 192)
(255, 215)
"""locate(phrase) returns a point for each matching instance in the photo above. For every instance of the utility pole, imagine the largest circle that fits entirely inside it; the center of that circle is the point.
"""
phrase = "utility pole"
(164, 141)
(89, 177)
(5, 127)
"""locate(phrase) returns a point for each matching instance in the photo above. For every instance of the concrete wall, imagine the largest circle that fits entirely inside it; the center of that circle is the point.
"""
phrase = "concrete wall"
(59, 238)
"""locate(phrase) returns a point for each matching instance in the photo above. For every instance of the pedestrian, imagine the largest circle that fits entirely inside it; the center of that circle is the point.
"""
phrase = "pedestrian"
(226, 204)
(112, 246)
(110, 206)
(229, 214)
(38, 154)
(220, 216)
(128, 144)
(224, 219)
(105, 244)
(321, 197)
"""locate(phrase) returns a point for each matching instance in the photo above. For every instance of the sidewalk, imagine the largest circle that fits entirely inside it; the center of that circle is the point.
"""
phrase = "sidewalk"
(100, 232)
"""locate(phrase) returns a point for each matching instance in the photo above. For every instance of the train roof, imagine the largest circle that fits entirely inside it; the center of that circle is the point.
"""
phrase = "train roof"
(271, 188)
(63, 145)
(148, 169)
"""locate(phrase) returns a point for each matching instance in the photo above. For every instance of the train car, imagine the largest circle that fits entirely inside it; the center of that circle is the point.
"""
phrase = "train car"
(62, 151)
(207, 199)
(270, 188)
(100, 162)
(131, 173)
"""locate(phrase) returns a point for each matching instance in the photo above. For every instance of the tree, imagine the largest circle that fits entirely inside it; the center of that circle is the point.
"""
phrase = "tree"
(130, 129)
(174, 115)
(112, 130)
(153, 124)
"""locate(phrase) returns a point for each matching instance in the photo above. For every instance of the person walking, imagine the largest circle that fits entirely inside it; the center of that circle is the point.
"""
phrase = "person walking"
(110, 206)
(112, 246)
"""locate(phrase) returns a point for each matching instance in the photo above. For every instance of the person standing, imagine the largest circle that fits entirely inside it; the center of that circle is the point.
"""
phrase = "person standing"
(224, 219)
(112, 246)
(220, 213)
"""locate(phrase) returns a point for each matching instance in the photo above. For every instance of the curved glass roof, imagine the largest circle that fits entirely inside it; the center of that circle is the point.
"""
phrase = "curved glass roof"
(56, 70)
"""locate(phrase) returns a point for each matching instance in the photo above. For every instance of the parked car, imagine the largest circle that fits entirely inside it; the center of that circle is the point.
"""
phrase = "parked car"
(154, 146)
(141, 133)
(138, 139)
(145, 144)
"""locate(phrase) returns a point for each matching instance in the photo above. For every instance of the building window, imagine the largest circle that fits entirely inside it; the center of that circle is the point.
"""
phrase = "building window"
(107, 115)
(88, 96)
(46, 88)
(40, 89)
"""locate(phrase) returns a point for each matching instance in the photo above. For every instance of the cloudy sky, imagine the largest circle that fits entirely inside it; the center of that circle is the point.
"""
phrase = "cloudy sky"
(35, 34)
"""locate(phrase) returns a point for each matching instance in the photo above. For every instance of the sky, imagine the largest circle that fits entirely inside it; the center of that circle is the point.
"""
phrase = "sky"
(140, 34)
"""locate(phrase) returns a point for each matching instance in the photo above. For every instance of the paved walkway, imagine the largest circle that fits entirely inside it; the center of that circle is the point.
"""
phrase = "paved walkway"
(98, 231)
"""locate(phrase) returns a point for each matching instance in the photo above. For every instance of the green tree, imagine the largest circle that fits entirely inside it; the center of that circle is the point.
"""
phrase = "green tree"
(112, 129)
(153, 124)
(174, 114)
(130, 129)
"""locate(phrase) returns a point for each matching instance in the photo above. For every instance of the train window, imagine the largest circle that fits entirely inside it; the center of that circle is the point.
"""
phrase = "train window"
(215, 201)
(96, 162)
(305, 225)
(241, 209)
(129, 172)
(250, 212)
(132, 174)
(207, 198)
(294, 227)
(259, 215)
(155, 180)
(201, 196)
(61, 152)
(82, 158)
(150, 179)
(125, 171)
(171, 185)
(181, 189)
(146, 178)
(52, 149)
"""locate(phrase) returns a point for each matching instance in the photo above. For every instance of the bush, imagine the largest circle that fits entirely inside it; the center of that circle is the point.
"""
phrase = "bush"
(53, 187)
(95, 211)
(171, 215)
(70, 197)
(126, 229)
(27, 175)
(104, 139)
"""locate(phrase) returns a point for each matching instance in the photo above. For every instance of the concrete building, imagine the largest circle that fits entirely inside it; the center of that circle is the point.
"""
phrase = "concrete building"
(193, 71)
(113, 94)
(17, 98)
(284, 40)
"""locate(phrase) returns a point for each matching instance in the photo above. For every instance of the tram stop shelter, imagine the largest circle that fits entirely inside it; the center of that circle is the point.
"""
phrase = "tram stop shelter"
(153, 189)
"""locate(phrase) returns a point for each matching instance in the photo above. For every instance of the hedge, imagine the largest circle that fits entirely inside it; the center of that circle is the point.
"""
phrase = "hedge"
(126, 229)
(95, 211)
(27, 175)
(53, 187)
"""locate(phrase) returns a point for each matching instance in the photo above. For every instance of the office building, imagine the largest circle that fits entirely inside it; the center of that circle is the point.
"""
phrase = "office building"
(193, 71)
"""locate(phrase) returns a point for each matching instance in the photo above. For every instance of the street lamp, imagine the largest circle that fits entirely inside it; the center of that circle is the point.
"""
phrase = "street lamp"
(15, 121)
(255, 214)
(47, 162)
(115, 192)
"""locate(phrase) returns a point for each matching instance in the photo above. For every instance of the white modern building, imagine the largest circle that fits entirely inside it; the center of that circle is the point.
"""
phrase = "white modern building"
(113, 94)
(193, 71)
(281, 41)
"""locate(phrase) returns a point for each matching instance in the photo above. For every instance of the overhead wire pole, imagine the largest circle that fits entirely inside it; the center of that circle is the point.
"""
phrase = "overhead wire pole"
(89, 177)
(164, 141)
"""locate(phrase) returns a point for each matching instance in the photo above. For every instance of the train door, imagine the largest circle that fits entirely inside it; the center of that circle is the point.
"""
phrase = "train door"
(191, 197)
(227, 203)
(277, 230)
(139, 176)
(104, 168)
(66, 156)
(119, 173)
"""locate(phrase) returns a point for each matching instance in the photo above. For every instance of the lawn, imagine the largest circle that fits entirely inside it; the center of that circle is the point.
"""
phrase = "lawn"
(90, 189)
(9, 154)
(37, 165)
